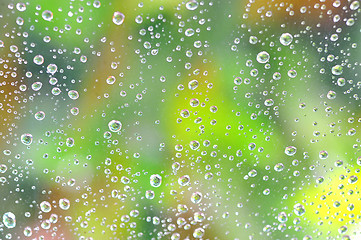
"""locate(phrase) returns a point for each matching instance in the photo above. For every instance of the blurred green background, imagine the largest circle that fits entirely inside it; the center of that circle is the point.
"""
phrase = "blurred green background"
(195, 104)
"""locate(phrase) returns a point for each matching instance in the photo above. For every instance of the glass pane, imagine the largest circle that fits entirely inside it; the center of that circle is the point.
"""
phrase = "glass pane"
(170, 119)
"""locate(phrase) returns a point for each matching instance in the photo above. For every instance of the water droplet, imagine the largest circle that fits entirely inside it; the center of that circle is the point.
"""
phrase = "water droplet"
(278, 167)
(115, 125)
(299, 209)
(36, 86)
(268, 102)
(292, 73)
(194, 145)
(155, 180)
(290, 150)
(45, 206)
(196, 197)
(331, 95)
(286, 39)
(282, 217)
(118, 18)
(9, 220)
(64, 203)
(192, 5)
(40, 115)
(354, 5)
(47, 15)
(352, 179)
(110, 80)
(252, 173)
(70, 142)
(185, 113)
(337, 70)
(237, 81)
(28, 232)
(323, 154)
(38, 59)
(52, 68)
(198, 233)
(149, 194)
(184, 180)
(73, 94)
(26, 138)
(21, 7)
(263, 57)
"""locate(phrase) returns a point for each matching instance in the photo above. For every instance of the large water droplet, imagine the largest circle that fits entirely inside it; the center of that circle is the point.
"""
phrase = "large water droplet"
(263, 57)
(115, 125)
(9, 220)
(118, 18)
(47, 15)
(286, 39)
(192, 5)
(155, 180)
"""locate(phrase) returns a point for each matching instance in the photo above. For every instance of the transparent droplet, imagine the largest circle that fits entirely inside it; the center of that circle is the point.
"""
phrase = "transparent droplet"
(263, 57)
(337, 70)
(292, 73)
(196, 197)
(3, 168)
(279, 167)
(21, 7)
(64, 203)
(74, 111)
(331, 95)
(149, 194)
(282, 217)
(56, 91)
(73, 94)
(194, 102)
(198, 233)
(185, 113)
(323, 154)
(69, 142)
(45, 206)
(290, 150)
(47, 15)
(9, 220)
(28, 231)
(353, 179)
(253, 39)
(192, 5)
(184, 180)
(189, 32)
(354, 5)
(36, 86)
(115, 126)
(252, 173)
(111, 80)
(194, 145)
(40, 115)
(268, 102)
(299, 209)
(286, 39)
(118, 18)
(155, 180)
(26, 138)
(38, 59)
(237, 81)
(52, 68)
